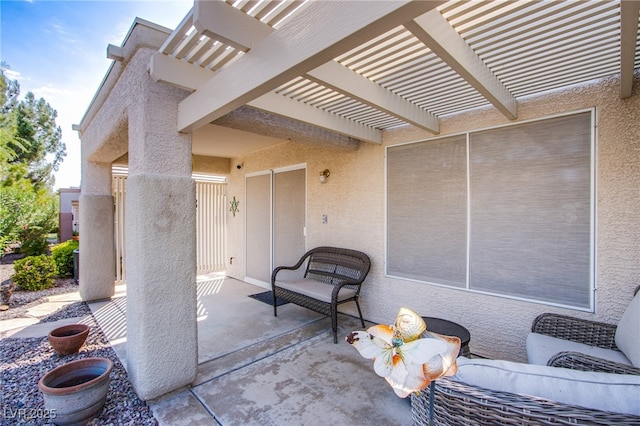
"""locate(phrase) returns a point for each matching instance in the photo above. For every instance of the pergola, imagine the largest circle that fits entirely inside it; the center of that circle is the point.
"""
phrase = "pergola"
(359, 72)
(323, 71)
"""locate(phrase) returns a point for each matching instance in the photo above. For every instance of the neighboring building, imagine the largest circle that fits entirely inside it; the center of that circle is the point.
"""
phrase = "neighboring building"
(69, 217)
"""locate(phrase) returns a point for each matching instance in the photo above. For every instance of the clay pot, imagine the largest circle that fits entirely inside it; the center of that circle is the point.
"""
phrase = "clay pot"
(76, 391)
(68, 339)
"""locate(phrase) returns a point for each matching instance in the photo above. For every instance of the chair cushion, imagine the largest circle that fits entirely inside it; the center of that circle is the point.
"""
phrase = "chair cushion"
(628, 331)
(540, 348)
(315, 289)
(601, 391)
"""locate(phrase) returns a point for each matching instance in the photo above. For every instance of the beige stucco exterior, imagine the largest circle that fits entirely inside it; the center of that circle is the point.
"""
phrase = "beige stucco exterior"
(134, 115)
(354, 200)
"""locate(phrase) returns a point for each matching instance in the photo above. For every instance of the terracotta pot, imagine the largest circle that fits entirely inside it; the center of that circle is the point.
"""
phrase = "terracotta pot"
(68, 339)
(76, 391)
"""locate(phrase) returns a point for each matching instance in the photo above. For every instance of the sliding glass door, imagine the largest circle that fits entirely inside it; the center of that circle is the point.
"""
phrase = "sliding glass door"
(275, 221)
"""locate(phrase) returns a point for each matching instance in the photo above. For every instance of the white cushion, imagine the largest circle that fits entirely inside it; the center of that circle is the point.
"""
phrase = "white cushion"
(618, 393)
(316, 289)
(540, 348)
(628, 331)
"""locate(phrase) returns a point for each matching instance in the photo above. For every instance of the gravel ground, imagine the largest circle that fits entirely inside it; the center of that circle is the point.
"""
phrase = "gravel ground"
(78, 309)
(22, 300)
(24, 361)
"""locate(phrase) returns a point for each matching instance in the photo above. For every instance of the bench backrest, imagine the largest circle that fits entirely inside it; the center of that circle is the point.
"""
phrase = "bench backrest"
(334, 265)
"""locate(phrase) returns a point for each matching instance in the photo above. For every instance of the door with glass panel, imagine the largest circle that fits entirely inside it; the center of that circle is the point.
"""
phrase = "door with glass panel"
(275, 222)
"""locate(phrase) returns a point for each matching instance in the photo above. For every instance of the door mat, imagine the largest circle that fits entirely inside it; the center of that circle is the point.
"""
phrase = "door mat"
(267, 297)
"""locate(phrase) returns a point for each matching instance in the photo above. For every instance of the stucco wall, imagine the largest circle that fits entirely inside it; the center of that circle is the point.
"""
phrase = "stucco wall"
(353, 198)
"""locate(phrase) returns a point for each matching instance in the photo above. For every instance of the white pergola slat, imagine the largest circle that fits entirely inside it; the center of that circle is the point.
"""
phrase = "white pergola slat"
(178, 34)
(294, 50)
(337, 60)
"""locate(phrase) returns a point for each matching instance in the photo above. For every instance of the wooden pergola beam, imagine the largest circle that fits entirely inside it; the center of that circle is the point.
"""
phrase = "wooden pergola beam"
(439, 36)
(629, 11)
(189, 77)
(287, 107)
(354, 85)
(221, 21)
(296, 48)
(178, 73)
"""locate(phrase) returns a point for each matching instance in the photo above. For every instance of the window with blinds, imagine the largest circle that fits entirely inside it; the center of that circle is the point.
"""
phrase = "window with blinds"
(505, 211)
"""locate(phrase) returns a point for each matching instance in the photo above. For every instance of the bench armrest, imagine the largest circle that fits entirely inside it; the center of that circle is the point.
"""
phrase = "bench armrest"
(291, 268)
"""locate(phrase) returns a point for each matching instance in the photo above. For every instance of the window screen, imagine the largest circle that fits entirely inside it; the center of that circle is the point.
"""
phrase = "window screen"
(427, 211)
(531, 210)
(509, 213)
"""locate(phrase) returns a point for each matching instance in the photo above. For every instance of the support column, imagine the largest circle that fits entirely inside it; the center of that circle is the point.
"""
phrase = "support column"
(160, 231)
(97, 263)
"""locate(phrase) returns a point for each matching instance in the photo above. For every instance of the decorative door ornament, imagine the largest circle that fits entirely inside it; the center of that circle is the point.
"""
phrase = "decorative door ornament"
(234, 206)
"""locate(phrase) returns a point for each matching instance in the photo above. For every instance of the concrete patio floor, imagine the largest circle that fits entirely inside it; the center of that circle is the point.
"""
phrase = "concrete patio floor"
(257, 369)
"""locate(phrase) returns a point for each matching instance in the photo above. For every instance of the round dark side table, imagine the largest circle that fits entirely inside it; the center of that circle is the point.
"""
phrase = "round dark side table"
(450, 328)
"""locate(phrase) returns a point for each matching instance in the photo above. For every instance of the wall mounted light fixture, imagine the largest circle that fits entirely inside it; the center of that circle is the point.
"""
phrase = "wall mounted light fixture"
(324, 175)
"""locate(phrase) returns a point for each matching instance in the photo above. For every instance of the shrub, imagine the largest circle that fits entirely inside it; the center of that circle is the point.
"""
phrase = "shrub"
(34, 272)
(34, 241)
(26, 216)
(63, 257)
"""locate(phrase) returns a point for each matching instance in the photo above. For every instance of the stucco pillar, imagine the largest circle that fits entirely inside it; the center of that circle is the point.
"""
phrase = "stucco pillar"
(97, 262)
(161, 246)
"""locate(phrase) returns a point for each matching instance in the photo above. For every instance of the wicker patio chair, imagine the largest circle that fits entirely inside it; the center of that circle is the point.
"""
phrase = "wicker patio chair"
(457, 403)
(588, 332)
(578, 361)
(332, 276)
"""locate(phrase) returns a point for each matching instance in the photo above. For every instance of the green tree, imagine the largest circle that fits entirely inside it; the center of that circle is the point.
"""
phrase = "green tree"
(31, 150)
(38, 137)
(30, 136)
(26, 216)
(8, 124)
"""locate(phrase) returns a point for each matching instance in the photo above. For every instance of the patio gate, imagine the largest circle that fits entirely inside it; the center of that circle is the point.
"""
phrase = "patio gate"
(118, 181)
(210, 223)
(210, 226)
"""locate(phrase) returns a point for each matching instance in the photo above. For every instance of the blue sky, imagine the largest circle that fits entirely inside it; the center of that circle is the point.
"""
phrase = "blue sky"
(57, 50)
